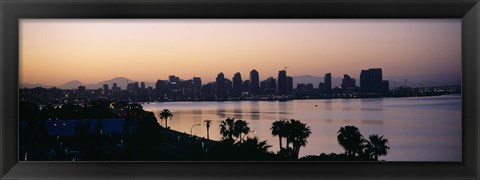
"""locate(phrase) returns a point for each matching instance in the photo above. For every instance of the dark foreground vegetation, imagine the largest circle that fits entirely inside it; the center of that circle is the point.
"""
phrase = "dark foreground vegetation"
(142, 138)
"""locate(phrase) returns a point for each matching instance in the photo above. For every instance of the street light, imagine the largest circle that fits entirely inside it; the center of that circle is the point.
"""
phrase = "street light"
(192, 128)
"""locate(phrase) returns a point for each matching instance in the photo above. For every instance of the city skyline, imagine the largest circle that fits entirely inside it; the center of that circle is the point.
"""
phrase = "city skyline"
(54, 52)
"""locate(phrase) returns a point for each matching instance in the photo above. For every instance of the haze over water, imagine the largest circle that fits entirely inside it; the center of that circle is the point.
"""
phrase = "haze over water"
(418, 128)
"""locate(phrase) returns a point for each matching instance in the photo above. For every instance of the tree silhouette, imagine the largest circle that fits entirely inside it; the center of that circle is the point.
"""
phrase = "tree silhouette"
(241, 129)
(207, 125)
(279, 129)
(252, 149)
(144, 142)
(230, 128)
(166, 114)
(298, 134)
(227, 129)
(350, 138)
(378, 145)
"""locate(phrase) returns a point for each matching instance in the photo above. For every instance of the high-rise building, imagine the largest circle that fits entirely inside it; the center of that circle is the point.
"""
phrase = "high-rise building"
(385, 86)
(228, 88)
(321, 87)
(220, 86)
(268, 86)
(160, 89)
(142, 85)
(327, 79)
(197, 86)
(348, 82)
(254, 82)
(289, 84)
(105, 87)
(246, 86)
(282, 82)
(115, 87)
(208, 91)
(237, 85)
(371, 81)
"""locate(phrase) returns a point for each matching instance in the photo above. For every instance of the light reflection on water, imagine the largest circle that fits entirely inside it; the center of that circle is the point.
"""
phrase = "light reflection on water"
(418, 128)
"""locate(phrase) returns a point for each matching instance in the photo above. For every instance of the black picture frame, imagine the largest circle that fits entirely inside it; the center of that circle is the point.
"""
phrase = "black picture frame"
(13, 10)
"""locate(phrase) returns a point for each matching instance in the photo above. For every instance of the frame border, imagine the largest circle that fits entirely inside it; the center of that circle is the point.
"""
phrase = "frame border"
(13, 10)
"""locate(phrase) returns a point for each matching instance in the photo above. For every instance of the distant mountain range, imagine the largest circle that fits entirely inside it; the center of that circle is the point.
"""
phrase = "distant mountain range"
(121, 82)
(315, 80)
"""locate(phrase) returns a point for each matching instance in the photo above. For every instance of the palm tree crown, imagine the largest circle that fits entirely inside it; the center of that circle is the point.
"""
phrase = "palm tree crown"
(279, 129)
(379, 145)
(227, 128)
(350, 138)
(166, 114)
(231, 128)
(298, 134)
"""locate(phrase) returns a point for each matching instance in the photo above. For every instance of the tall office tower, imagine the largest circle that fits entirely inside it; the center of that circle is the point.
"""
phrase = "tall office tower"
(160, 89)
(105, 88)
(220, 86)
(197, 86)
(371, 81)
(254, 82)
(228, 88)
(289, 84)
(348, 82)
(282, 82)
(327, 80)
(237, 85)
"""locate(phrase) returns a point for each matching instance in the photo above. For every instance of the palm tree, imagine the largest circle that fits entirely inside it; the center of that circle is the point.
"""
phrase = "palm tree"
(227, 128)
(279, 129)
(298, 135)
(350, 138)
(207, 124)
(241, 129)
(379, 145)
(165, 114)
(231, 128)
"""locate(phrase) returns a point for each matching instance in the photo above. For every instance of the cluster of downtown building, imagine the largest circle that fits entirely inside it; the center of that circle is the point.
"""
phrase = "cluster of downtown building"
(236, 88)
(223, 88)
(371, 84)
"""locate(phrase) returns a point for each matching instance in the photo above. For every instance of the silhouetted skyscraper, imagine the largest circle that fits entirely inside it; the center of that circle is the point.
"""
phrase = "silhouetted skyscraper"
(254, 82)
(269, 85)
(321, 87)
(197, 85)
(385, 86)
(371, 81)
(237, 85)
(348, 82)
(282, 82)
(328, 83)
(246, 86)
(220, 86)
(289, 84)
(115, 87)
(142, 85)
(160, 89)
(228, 88)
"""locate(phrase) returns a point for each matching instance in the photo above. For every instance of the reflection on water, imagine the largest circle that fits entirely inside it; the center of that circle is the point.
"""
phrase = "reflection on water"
(419, 128)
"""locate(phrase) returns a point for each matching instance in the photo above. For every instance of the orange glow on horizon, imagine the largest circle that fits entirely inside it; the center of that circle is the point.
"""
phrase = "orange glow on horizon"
(53, 52)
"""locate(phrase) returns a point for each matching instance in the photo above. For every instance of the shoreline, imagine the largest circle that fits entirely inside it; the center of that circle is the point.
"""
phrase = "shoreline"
(295, 99)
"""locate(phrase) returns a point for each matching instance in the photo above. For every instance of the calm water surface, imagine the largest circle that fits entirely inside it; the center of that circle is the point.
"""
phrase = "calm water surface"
(418, 128)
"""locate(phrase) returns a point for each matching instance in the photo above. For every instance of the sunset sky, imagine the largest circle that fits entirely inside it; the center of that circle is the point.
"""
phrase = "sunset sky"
(53, 52)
